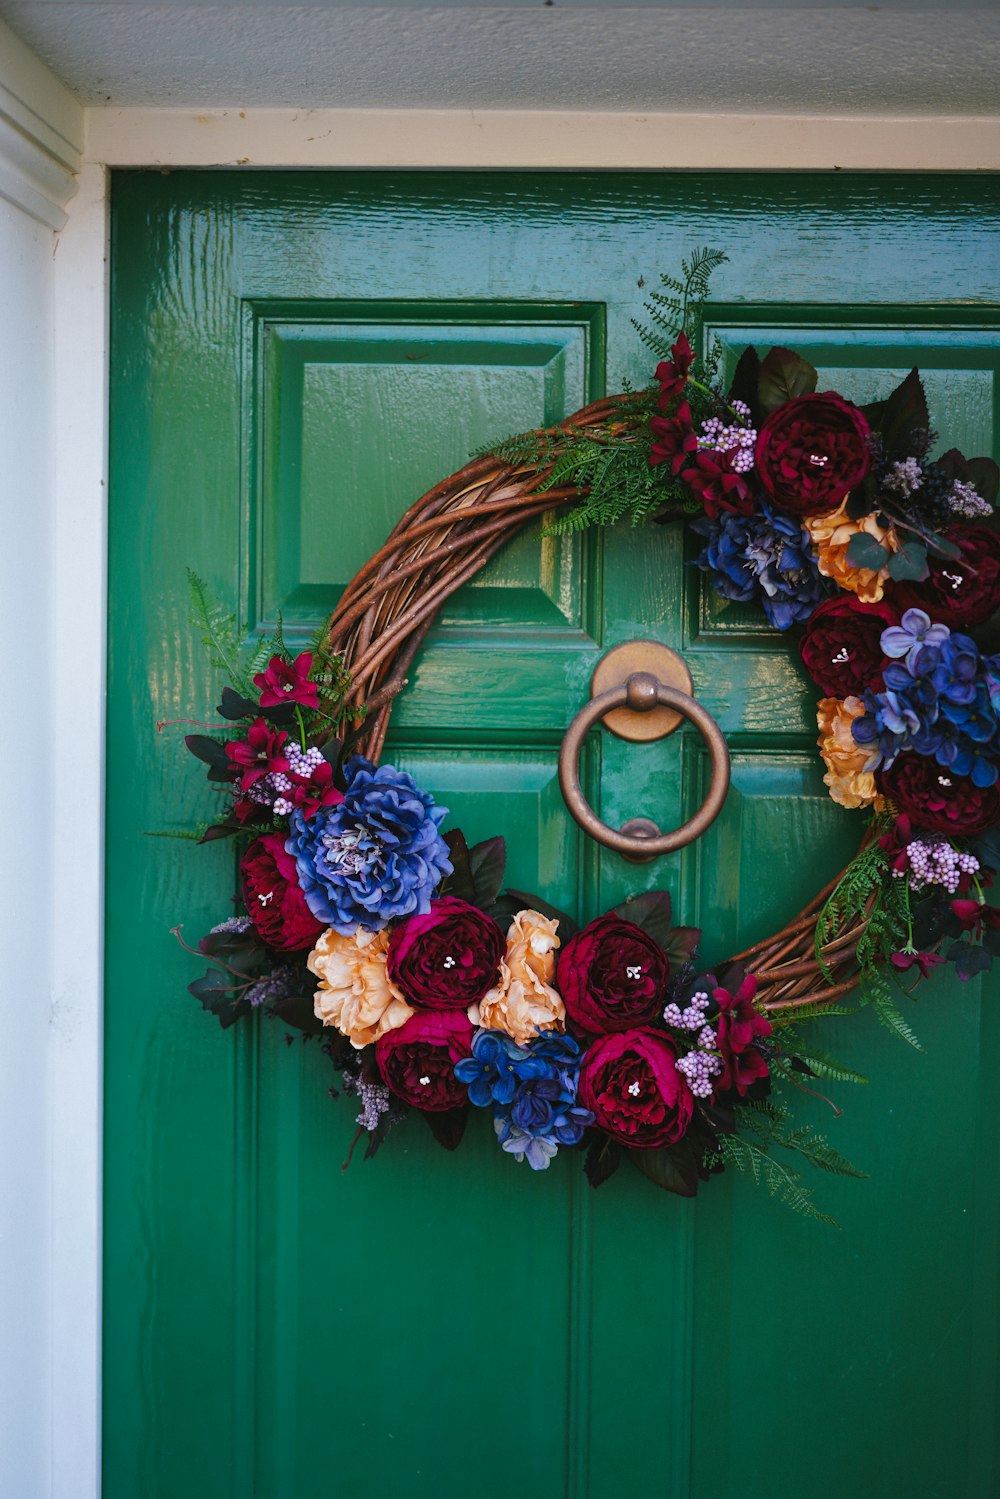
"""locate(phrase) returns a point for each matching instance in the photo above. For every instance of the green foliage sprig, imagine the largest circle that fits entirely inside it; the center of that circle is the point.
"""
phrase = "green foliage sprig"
(609, 464)
(760, 1129)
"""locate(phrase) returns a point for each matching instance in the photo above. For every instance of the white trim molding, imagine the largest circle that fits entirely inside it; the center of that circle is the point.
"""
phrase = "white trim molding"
(41, 135)
(539, 139)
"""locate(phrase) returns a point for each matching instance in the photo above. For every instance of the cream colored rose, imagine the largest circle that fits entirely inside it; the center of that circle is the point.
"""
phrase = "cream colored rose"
(832, 534)
(850, 781)
(355, 994)
(524, 1002)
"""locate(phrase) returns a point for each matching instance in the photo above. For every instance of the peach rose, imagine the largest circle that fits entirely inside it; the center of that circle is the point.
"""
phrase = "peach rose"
(831, 535)
(850, 783)
(524, 1002)
(355, 994)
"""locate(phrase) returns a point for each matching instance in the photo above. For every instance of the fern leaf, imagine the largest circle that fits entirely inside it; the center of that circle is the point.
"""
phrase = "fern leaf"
(826, 1066)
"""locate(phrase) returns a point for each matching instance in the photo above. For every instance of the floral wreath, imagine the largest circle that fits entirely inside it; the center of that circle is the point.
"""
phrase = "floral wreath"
(436, 989)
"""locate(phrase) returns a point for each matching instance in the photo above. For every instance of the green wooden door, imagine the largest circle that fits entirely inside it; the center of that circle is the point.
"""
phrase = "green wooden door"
(296, 358)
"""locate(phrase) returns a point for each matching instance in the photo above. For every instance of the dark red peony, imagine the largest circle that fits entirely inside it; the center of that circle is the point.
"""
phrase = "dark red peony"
(612, 976)
(672, 373)
(631, 1084)
(273, 896)
(936, 799)
(717, 484)
(417, 1060)
(962, 592)
(739, 1026)
(811, 452)
(448, 959)
(675, 438)
(841, 645)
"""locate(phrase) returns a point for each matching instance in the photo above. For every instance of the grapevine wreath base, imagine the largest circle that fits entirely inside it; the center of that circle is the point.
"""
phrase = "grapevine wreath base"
(436, 989)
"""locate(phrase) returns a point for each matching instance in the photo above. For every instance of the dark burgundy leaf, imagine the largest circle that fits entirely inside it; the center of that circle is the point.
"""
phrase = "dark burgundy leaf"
(681, 945)
(674, 1168)
(211, 751)
(447, 1125)
(783, 376)
(651, 911)
(604, 1156)
(234, 705)
(904, 418)
(460, 882)
(488, 861)
(299, 1010)
(985, 475)
(746, 379)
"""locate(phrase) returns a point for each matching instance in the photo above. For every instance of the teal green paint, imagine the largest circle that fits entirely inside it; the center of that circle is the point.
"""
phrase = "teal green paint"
(295, 357)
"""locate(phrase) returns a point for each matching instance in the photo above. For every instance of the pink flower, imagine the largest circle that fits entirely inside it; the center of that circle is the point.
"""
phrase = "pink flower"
(675, 438)
(288, 682)
(739, 1026)
(925, 961)
(259, 754)
(717, 485)
(672, 373)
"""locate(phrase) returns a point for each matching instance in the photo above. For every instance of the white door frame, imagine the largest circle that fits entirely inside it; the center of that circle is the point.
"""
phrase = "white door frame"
(43, 142)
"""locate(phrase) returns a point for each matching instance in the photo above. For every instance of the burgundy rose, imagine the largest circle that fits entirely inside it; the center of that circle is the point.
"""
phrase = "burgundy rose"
(672, 373)
(739, 1026)
(612, 976)
(841, 646)
(675, 438)
(274, 898)
(417, 1059)
(448, 959)
(962, 592)
(936, 798)
(259, 754)
(631, 1085)
(811, 452)
(718, 485)
(287, 682)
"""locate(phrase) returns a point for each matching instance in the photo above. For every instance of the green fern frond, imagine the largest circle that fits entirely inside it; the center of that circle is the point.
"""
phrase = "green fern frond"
(219, 631)
(826, 1066)
(876, 991)
(780, 1180)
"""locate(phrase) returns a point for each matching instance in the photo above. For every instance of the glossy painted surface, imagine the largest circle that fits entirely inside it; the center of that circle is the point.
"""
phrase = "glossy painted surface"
(296, 357)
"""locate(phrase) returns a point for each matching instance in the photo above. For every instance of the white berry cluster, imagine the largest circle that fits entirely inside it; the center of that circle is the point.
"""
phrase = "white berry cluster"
(737, 438)
(936, 862)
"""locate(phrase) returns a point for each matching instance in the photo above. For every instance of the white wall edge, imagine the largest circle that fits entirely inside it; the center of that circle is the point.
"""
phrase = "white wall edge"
(78, 629)
(539, 139)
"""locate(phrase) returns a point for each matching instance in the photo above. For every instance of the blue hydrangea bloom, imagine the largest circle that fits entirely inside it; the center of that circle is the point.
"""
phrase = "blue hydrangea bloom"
(764, 558)
(376, 856)
(938, 701)
(495, 1068)
(532, 1090)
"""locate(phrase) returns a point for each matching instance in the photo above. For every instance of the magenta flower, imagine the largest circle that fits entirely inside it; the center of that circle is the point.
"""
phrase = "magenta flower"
(925, 961)
(287, 682)
(261, 753)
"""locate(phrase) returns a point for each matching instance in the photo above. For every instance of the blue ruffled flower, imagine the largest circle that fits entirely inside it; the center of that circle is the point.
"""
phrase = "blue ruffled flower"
(766, 558)
(532, 1090)
(376, 856)
(938, 701)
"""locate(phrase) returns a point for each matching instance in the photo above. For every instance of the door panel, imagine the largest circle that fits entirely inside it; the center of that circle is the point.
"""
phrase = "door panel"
(296, 357)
